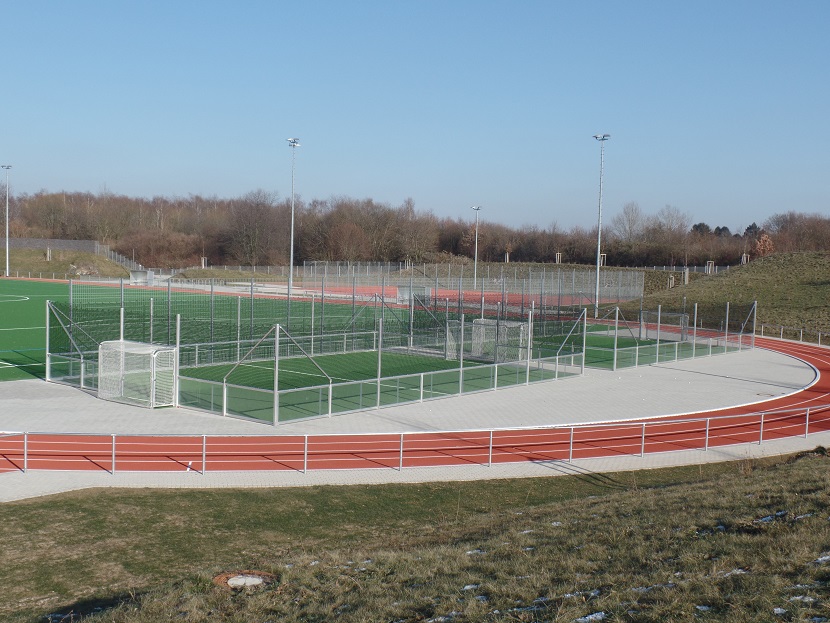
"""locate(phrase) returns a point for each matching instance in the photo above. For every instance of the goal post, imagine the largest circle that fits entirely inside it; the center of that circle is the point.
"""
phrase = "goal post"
(499, 341)
(137, 373)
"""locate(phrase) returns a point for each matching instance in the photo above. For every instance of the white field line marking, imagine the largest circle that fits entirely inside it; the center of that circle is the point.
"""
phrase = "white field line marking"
(13, 298)
(24, 329)
(6, 364)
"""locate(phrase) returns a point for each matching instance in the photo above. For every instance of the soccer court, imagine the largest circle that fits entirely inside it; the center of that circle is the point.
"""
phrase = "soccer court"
(22, 326)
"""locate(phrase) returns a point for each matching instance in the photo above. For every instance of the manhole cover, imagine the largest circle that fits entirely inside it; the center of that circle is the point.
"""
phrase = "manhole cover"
(244, 579)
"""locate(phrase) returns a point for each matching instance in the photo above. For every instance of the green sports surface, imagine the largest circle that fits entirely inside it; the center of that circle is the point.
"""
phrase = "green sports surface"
(304, 391)
(23, 326)
(22, 323)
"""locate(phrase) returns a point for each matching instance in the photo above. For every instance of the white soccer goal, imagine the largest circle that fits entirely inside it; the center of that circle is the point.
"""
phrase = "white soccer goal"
(499, 341)
(667, 326)
(137, 373)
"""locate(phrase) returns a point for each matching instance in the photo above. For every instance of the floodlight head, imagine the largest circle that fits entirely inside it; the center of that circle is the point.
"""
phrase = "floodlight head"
(602, 137)
(476, 208)
(293, 142)
(6, 166)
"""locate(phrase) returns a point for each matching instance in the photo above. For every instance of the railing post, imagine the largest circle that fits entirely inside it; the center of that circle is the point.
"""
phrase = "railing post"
(204, 454)
(490, 453)
(571, 447)
(706, 441)
(305, 454)
(761, 432)
(400, 455)
(807, 424)
(421, 399)
(113, 455)
(330, 393)
(643, 442)
(25, 452)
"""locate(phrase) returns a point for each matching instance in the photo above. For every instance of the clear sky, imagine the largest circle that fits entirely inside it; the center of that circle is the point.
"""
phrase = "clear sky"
(718, 108)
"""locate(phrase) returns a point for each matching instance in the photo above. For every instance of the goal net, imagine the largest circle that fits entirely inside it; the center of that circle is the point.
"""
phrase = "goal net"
(669, 326)
(499, 341)
(137, 373)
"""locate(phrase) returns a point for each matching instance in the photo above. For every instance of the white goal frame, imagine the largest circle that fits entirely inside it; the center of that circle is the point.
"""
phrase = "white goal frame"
(136, 373)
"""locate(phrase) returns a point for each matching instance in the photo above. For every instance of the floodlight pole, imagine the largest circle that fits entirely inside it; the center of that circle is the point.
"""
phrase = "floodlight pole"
(601, 138)
(293, 143)
(7, 167)
(475, 260)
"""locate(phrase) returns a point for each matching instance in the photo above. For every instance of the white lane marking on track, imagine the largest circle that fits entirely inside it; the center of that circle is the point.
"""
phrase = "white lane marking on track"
(12, 298)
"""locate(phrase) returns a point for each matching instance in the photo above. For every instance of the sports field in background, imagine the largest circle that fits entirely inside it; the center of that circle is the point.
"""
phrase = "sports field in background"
(22, 340)
(23, 326)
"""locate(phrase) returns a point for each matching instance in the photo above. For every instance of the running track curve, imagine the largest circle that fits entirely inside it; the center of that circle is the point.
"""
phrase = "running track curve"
(798, 414)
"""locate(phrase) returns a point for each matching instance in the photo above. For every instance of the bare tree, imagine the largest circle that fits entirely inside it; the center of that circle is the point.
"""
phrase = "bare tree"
(630, 224)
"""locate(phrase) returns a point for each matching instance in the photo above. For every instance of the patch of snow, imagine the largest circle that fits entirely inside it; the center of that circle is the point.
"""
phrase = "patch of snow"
(703, 608)
(823, 559)
(737, 571)
(470, 587)
(589, 594)
(589, 618)
(804, 599)
(779, 611)
(473, 552)
(556, 524)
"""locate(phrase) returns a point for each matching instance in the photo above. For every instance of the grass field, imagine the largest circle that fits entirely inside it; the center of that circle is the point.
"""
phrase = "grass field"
(727, 542)
(23, 326)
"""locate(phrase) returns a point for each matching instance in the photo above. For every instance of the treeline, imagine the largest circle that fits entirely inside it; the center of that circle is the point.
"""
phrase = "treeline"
(254, 230)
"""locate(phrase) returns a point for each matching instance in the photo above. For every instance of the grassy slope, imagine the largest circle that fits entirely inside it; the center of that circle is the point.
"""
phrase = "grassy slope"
(791, 289)
(26, 261)
(641, 546)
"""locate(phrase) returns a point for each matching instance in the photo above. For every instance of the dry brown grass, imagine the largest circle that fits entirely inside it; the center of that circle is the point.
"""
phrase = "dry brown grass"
(555, 549)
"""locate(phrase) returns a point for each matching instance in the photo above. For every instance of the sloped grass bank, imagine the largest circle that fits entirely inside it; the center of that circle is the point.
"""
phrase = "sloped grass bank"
(743, 541)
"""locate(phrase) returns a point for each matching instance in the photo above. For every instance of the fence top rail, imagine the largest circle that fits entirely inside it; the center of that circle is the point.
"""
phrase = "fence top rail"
(608, 424)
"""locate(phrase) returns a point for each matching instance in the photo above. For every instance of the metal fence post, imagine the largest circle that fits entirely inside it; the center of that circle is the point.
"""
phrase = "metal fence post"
(643, 442)
(761, 432)
(571, 447)
(490, 453)
(113, 455)
(305, 454)
(400, 461)
(807, 423)
(204, 454)
(25, 452)
(706, 441)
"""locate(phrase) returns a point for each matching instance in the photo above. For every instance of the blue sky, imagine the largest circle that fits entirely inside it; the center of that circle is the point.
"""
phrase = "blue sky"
(717, 108)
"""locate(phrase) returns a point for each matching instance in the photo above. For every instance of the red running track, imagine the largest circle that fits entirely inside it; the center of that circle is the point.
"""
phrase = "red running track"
(801, 413)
